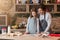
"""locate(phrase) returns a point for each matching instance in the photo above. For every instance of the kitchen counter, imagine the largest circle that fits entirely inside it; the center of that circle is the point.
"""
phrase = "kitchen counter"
(26, 37)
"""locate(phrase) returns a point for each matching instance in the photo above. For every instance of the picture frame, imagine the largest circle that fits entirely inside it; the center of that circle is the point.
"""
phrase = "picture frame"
(20, 8)
(3, 20)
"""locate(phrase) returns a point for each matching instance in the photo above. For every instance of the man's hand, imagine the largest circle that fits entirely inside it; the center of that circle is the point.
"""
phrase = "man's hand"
(45, 34)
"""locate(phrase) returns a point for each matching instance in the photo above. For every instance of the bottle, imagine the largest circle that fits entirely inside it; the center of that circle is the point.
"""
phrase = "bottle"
(9, 29)
(31, 2)
(3, 30)
(17, 1)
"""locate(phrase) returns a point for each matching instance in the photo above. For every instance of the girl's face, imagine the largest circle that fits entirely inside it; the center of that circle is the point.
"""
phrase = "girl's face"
(40, 11)
(33, 14)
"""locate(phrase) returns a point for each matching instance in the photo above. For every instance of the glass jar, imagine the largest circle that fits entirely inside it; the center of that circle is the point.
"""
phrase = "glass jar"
(3, 30)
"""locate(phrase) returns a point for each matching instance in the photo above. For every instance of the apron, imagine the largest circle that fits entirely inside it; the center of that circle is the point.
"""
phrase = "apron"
(43, 24)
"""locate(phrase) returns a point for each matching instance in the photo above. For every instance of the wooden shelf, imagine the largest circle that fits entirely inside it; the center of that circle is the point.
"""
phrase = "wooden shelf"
(22, 12)
(29, 12)
(26, 4)
(55, 7)
(38, 4)
(28, 7)
(18, 30)
(54, 12)
(20, 4)
(33, 4)
(51, 4)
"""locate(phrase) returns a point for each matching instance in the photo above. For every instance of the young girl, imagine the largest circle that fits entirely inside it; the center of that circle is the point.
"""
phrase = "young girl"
(32, 24)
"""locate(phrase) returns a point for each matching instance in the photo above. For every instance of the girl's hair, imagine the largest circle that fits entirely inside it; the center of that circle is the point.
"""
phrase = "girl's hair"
(33, 10)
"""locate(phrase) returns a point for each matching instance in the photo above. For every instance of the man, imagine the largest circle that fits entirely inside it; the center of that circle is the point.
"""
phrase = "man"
(44, 18)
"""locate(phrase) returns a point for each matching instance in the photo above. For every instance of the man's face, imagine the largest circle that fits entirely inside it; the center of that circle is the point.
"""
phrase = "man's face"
(40, 11)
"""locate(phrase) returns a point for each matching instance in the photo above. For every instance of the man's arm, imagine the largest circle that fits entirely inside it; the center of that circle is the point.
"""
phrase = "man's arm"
(48, 22)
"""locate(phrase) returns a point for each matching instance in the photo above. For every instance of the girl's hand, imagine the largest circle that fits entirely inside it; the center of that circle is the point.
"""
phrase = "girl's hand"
(27, 33)
(39, 34)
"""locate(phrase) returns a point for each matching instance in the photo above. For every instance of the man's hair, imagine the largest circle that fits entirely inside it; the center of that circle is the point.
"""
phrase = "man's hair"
(42, 6)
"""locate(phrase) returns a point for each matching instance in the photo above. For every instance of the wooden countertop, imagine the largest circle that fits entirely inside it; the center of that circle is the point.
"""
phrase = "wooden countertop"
(27, 37)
